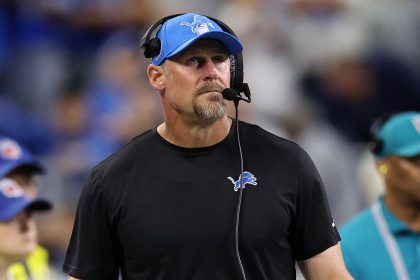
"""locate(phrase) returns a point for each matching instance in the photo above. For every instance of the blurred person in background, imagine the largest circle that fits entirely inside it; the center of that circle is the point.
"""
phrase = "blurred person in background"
(382, 242)
(342, 71)
(18, 164)
(348, 81)
(18, 233)
(54, 35)
(354, 90)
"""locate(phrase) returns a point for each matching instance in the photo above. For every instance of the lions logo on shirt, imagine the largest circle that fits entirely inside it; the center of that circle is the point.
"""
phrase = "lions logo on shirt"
(248, 178)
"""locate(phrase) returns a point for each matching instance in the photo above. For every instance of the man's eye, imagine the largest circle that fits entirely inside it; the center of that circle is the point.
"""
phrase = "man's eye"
(219, 58)
(414, 160)
(193, 60)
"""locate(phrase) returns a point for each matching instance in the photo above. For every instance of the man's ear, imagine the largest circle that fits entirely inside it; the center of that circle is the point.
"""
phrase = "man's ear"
(156, 76)
(382, 167)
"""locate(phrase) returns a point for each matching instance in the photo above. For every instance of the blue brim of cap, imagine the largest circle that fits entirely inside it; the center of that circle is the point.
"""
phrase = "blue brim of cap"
(409, 151)
(6, 168)
(232, 44)
(31, 205)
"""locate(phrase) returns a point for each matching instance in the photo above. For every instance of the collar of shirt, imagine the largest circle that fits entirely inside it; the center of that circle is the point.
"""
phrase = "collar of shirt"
(396, 226)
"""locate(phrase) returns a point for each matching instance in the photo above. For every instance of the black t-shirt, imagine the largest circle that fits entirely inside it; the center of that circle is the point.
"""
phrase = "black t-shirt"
(158, 211)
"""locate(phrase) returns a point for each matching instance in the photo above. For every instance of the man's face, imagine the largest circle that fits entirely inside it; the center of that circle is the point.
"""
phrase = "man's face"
(18, 237)
(194, 81)
(25, 177)
(403, 176)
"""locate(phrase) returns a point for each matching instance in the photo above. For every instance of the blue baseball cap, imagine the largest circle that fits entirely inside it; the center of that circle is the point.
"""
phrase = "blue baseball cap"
(400, 135)
(13, 201)
(178, 33)
(13, 155)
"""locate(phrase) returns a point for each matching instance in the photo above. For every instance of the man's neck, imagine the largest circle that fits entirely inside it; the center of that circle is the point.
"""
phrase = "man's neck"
(195, 135)
(404, 209)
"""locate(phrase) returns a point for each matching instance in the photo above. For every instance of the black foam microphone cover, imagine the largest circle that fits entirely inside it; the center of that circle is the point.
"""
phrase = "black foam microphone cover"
(230, 94)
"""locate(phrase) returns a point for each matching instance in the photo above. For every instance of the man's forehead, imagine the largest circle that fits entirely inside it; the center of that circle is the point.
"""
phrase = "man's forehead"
(206, 44)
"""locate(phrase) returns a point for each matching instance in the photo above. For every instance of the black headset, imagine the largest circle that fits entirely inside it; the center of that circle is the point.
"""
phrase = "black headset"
(376, 145)
(152, 47)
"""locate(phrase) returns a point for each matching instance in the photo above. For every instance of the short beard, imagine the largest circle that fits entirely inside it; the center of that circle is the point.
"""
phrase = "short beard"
(210, 112)
(215, 109)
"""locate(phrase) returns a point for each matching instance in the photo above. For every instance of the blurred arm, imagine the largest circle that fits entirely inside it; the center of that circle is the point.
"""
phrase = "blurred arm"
(327, 265)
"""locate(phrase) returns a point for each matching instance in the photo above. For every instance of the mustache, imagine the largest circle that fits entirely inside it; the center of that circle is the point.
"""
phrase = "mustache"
(210, 87)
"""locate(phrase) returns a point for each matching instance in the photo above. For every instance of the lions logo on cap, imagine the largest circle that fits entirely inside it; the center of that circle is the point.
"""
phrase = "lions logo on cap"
(9, 150)
(10, 188)
(200, 25)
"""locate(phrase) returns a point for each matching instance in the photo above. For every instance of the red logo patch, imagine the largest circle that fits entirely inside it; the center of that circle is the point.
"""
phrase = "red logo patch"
(10, 188)
(10, 150)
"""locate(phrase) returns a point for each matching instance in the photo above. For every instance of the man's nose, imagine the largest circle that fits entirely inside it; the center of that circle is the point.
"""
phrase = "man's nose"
(211, 70)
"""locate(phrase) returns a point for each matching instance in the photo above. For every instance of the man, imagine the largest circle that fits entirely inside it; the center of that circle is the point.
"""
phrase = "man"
(18, 164)
(164, 206)
(382, 242)
(18, 234)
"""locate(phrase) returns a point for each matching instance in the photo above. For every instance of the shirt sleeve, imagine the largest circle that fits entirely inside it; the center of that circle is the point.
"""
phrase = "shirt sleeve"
(93, 250)
(314, 228)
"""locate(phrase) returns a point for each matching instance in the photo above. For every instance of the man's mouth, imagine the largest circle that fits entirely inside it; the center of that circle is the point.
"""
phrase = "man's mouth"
(213, 88)
(211, 91)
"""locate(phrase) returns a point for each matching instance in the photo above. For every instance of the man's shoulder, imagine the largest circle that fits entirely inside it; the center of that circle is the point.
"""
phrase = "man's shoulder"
(271, 146)
(135, 149)
(263, 136)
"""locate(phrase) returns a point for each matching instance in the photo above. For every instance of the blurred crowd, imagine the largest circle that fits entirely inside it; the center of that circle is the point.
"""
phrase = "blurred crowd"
(73, 86)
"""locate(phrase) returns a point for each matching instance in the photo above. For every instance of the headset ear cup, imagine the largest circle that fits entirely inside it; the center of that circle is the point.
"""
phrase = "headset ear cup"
(236, 72)
(376, 146)
(153, 48)
(232, 71)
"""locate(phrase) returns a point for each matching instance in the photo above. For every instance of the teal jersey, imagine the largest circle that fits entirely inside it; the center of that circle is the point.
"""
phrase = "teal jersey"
(365, 253)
